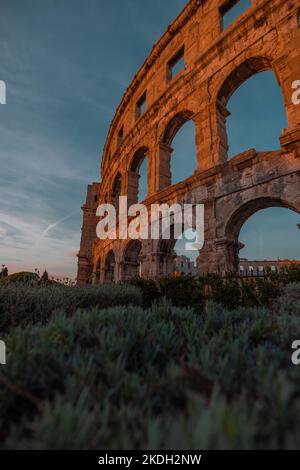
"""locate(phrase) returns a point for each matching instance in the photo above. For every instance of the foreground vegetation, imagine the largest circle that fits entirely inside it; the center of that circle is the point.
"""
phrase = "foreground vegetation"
(23, 304)
(93, 368)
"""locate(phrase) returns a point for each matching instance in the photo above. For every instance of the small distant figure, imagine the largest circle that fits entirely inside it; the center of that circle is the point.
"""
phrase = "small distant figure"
(2, 92)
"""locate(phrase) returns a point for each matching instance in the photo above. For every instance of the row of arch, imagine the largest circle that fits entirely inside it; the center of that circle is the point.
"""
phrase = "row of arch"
(241, 74)
(131, 264)
(131, 261)
(130, 258)
(203, 101)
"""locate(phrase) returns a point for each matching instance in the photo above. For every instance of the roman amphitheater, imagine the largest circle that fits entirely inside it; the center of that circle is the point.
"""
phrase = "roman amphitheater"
(158, 102)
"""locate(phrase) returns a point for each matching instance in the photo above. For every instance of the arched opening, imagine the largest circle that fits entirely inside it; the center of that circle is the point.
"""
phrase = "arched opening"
(97, 271)
(166, 257)
(109, 273)
(131, 267)
(116, 192)
(271, 240)
(250, 109)
(263, 232)
(138, 177)
(186, 253)
(177, 158)
(178, 255)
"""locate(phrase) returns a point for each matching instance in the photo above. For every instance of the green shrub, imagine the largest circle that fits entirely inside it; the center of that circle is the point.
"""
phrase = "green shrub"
(22, 277)
(183, 291)
(149, 289)
(230, 291)
(289, 301)
(21, 305)
(225, 291)
(128, 378)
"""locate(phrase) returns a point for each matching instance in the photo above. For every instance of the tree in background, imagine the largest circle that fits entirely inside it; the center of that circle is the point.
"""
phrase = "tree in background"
(45, 278)
(4, 271)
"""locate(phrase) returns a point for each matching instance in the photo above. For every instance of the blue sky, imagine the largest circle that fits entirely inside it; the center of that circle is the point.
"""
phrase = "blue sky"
(66, 64)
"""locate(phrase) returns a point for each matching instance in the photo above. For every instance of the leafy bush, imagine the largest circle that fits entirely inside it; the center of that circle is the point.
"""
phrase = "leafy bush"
(149, 289)
(230, 291)
(289, 301)
(183, 291)
(21, 277)
(128, 378)
(21, 305)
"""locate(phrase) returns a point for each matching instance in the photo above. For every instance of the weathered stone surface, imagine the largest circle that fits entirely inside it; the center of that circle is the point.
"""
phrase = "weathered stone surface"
(265, 37)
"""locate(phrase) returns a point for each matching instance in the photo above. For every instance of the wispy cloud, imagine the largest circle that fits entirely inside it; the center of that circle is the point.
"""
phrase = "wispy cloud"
(65, 75)
(52, 226)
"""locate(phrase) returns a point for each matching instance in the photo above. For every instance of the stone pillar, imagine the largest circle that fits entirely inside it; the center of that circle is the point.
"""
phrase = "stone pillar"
(152, 167)
(221, 138)
(155, 270)
(203, 141)
(132, 187)
(211, 134)
(206, 261)
(88, 235)
(117, 270)
(164, 178)
(85, 270)
(206, 130)
(146, 259)
(288, 71)
(96, 277)
(109, 273)
(102, 275)
(227, 255)
(169, 263)
(146, 267)
(129, 270)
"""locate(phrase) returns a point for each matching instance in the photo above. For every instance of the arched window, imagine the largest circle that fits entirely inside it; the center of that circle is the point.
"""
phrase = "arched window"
(258, 231)
(250, 108)
(265, 233)
(177, 159)
(132, 260)
(178, 255)
(138, 177)
(116, 192)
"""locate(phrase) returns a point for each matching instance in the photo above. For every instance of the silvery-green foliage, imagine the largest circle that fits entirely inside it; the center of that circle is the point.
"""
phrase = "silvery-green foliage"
(289, 301)
(22, 305)
(166, 377)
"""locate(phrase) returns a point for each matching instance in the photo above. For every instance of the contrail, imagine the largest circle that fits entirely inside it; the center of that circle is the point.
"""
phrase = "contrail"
(51, 226)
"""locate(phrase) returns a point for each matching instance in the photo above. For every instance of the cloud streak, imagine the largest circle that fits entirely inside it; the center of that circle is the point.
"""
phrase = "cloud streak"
(65, 76)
